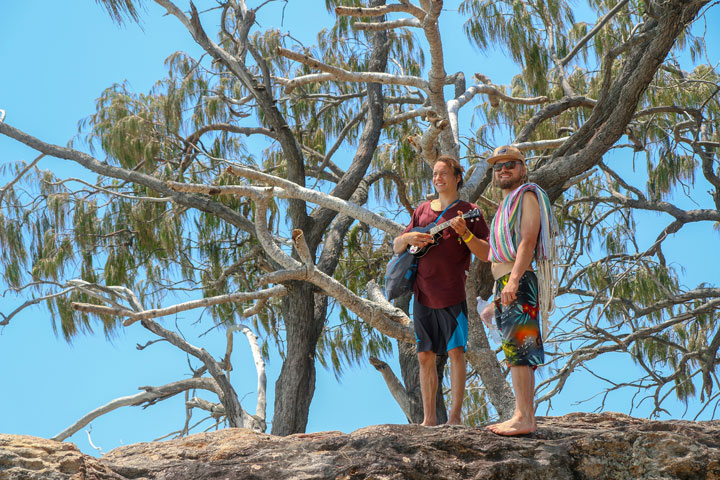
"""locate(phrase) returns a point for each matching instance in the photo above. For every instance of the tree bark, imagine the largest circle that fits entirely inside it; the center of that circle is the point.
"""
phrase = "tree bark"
(295, 386)
(305, 315)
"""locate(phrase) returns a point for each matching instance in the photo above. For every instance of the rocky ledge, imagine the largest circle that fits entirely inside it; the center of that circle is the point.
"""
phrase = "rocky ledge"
(575, 446)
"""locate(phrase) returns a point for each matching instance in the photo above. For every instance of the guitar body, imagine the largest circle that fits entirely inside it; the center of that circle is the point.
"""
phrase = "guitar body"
(436, 232)
(418, 252)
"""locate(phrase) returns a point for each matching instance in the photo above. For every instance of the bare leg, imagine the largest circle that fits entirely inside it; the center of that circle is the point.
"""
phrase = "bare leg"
(428, 386)
(532, 398)
(457, 383)
(523, 420)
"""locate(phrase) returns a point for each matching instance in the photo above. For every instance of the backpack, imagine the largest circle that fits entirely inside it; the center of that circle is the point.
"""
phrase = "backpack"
(400, 275)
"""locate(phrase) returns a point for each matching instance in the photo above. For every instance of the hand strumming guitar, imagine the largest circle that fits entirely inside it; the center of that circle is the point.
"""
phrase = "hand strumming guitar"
(418, 239)
(415, 239)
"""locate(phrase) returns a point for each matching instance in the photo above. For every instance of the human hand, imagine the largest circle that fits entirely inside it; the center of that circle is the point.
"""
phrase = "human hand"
(509, 292)
(418, 239)
(459, 225)
(488, 315)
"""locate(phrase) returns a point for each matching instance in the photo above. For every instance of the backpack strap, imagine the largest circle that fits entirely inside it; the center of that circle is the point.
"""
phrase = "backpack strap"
(443, 212)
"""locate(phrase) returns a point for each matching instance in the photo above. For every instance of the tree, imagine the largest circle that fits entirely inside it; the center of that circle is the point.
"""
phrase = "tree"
(275, 231)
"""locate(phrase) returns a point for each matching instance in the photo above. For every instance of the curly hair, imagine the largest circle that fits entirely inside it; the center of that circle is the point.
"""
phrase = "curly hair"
(454, 165)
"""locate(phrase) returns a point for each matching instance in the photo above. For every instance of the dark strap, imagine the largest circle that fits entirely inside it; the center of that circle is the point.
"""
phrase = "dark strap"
(443, 212)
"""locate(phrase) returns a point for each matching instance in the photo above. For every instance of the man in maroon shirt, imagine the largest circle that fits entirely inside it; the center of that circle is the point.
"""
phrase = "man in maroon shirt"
(439, 307)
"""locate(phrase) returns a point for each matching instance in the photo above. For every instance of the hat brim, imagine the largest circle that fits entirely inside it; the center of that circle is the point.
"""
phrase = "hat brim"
(494, 160)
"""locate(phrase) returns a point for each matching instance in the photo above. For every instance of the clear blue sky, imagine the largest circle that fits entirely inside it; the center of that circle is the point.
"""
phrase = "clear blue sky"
(55, 59)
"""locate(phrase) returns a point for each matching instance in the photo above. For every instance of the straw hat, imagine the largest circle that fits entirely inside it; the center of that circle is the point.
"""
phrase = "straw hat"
(506, 152)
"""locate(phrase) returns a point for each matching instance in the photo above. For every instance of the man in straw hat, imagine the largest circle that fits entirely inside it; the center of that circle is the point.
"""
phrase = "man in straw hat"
(523, 229)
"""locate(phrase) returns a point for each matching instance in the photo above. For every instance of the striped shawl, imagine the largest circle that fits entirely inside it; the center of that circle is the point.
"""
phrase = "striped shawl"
(505, 237)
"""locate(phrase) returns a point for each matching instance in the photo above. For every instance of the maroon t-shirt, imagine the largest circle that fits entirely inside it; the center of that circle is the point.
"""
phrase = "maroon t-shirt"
(440, 280)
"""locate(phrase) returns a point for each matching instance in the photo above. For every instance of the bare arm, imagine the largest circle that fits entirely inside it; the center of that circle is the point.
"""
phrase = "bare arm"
(477, 246)
(529, 231)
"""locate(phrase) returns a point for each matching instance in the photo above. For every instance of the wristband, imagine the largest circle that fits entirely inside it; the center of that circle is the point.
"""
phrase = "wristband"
(468, 238)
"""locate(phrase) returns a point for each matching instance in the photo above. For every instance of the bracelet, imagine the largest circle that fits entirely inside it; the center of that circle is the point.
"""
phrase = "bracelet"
(468, 238)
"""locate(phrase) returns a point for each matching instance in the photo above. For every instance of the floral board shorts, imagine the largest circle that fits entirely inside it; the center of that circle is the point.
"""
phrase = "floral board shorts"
(519, 323)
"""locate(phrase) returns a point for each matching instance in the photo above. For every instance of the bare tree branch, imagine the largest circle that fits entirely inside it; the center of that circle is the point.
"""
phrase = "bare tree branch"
(150, 396)
(598, 26)
(12, 182)
(357, 77)
(389, 25)
(493, 92)
(107, 170)
(382, 10)
(277, 291)
(290, 190)
(397, 390)
(260, 409)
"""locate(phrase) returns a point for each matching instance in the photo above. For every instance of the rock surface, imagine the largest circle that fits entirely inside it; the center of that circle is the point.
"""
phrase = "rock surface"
(575, 446)
(32, 458)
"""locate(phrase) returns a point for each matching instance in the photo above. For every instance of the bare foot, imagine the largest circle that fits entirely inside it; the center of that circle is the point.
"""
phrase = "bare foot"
(514, 426)
(428, 423)
(454, 421)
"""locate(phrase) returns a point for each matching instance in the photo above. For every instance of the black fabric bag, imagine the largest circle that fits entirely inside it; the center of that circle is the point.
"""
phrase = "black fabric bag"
(400, 275)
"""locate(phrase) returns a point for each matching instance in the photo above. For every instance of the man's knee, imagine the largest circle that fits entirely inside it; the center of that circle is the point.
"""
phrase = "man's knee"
(457, 353)
(426, 358)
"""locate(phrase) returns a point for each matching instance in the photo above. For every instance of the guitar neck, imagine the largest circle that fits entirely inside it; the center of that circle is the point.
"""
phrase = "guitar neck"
(442, 226)
(439, 228)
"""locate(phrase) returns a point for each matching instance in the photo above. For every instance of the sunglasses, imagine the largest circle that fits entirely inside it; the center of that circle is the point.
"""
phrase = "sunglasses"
(508, 165)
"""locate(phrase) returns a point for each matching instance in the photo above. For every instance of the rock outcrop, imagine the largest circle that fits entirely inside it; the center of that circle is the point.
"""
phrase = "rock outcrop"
(575, 446)
(32, 458)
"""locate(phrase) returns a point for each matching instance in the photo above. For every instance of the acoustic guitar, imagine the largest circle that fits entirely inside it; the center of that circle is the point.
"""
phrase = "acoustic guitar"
(436, 232)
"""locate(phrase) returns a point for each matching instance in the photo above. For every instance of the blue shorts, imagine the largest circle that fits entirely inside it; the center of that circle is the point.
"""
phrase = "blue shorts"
(440, 329)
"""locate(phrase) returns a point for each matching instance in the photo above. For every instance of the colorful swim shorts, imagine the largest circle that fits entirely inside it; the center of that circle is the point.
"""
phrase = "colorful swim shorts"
(519, 323)
(440, 329)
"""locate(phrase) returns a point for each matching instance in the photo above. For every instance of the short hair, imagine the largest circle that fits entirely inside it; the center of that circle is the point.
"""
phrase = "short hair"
(454, 165)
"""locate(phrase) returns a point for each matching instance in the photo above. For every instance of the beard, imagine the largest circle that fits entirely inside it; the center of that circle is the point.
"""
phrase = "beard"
(508, 183)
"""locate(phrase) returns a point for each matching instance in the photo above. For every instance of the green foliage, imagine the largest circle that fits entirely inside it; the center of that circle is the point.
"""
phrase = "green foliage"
(667, 170)
(351, 341)
(519, 27)
(122, 10)
(108, 232)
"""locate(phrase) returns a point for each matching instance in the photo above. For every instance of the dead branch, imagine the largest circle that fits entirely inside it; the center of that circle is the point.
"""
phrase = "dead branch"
(389, 25)
(277, 291)
(397, 390)
(357, 77)
(150, 396)
(382, 10)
